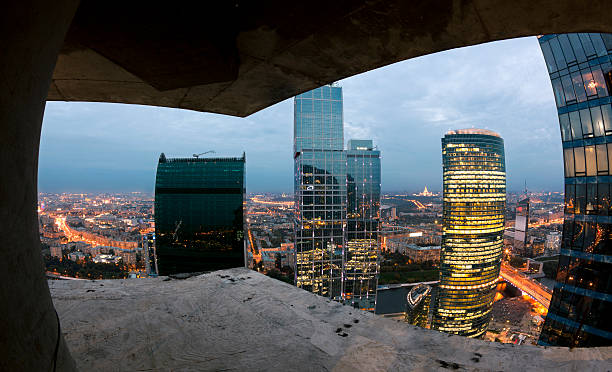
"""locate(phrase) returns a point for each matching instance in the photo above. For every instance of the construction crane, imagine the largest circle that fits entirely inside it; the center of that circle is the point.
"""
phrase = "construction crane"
(206, 152)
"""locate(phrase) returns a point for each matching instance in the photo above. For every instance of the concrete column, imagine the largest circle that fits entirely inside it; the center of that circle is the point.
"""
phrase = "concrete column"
(31, 35)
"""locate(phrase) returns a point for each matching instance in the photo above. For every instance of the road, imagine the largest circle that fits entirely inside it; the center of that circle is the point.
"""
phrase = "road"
(529, 286)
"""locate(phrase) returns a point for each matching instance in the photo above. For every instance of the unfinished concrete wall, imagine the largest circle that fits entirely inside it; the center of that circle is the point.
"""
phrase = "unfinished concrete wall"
(32, 34)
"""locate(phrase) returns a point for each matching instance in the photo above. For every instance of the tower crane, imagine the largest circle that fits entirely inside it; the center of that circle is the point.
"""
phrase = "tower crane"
(206, 152)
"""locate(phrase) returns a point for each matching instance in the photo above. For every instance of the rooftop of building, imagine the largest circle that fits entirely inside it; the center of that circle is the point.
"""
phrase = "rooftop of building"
(200, 159)
(239, 319)
(486, 132)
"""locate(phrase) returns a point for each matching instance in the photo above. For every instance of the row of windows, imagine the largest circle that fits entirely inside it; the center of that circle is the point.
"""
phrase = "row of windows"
(590, 198)
(586, 123)
(589, 237)
(560, 334)
(580, 86)
(586, 274)
(581, 309)
(324, 92)
(588, 160)
(567, 50)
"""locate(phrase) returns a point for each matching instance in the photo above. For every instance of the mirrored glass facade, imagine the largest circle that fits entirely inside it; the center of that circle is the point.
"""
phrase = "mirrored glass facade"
(474, 201)
(580, 68)
(199, 214)
(320, 191)
(363, 215)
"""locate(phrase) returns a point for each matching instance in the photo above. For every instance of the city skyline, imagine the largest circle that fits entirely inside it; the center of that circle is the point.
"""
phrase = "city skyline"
(405, 120)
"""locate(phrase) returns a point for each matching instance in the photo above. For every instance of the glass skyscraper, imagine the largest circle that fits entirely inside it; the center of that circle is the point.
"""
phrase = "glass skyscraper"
(474, 202)
(336, 249)
(199, 214)
(580, 68)
(320, 191)
(363, 214)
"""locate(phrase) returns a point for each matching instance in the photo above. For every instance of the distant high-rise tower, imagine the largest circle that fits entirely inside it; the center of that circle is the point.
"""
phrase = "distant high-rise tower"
(363, 215)
(150, 257)
(336, 251)
(521, 226)
(199, 214)
(581, 75)
(320, 191)
(474, 182)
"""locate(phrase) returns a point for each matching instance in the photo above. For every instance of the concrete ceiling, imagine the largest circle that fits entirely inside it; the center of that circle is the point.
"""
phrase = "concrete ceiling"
(239, 57)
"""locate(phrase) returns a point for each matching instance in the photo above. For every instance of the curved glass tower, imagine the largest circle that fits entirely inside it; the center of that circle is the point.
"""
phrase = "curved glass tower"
(474, 177)
(580, 71)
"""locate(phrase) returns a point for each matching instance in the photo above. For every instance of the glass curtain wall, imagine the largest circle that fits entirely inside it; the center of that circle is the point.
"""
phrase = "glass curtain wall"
(580, 71)
(474, 202)
(320, 191)
(363, 214)
(199, 223)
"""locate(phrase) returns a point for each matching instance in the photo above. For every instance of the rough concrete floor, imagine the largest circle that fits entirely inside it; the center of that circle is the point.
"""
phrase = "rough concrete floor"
(241, 320)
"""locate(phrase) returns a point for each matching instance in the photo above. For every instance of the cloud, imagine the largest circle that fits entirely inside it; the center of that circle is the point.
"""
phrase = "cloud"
(405, 107)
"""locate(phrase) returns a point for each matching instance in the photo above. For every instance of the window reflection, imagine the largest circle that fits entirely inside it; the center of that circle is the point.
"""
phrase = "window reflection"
(579, 161)
(602, 159)
(606, 114)
(591, 164)
(568, 155)
(579, 86)
(570, 191)
(575, 125)
(558, 53)
(587, 44)
(558, 90)
(577, 47)
(548, 57)
(603, 198)
(597, 120)
(587, 125)
(568, 89)
(590, 85)
(578, 240)
(591, 198)
(580, 199)
(600, 82)
(566, 134)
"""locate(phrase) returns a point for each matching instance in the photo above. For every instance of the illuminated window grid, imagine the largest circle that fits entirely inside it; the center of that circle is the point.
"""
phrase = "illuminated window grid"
(473, 224)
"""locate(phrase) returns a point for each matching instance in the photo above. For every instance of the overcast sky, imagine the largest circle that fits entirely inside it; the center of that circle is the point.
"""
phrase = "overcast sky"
(406, 108)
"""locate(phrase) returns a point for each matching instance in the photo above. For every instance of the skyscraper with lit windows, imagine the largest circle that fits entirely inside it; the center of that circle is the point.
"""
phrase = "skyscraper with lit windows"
(474, 184)
(580, 69)
(363, 214)
(320, 191)
(337, 199)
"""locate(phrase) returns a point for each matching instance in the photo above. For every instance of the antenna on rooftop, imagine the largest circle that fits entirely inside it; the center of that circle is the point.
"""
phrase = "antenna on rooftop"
(205, 152)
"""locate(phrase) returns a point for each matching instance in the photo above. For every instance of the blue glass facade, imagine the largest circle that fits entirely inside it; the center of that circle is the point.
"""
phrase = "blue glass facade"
(363, 214)
(199, 223)
(320, 191)
(580, 68)
(337, 198)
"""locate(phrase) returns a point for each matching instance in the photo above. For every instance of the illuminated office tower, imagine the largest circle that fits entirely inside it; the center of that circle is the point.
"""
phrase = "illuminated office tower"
(199, 214)
(580, 71)
(320, 191)
(474, 182)
(150, 257)
(418, 305)
(363, 214)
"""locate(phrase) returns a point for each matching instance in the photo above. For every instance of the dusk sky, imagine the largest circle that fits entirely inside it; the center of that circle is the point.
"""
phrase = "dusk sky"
(406, 108)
